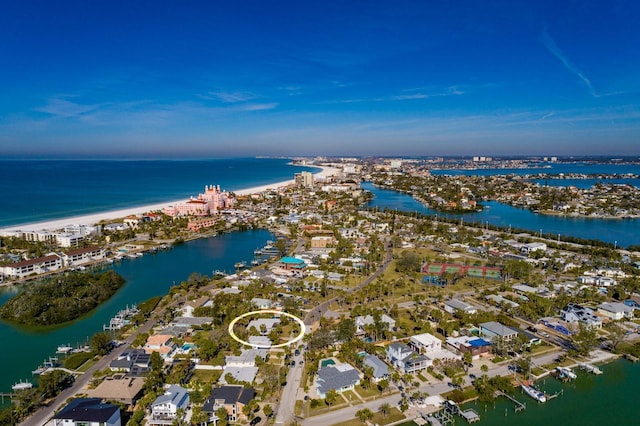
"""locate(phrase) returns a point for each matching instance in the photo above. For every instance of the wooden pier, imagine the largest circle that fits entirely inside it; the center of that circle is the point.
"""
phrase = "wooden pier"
(4, 395)
(591, 369)
(519, 406)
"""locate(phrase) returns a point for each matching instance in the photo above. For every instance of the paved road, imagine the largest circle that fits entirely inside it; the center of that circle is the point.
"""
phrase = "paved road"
(286, 408)
(43, 415)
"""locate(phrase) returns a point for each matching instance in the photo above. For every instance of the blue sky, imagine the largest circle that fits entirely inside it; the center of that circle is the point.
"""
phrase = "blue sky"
(225, 78)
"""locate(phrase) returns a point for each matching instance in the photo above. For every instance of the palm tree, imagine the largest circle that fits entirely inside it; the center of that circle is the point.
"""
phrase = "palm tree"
(384, 409)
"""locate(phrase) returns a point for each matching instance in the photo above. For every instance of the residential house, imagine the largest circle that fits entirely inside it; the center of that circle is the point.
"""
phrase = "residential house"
(616, 310)
(190, 306)
(232, 398)
(261, 303)
(164, 410)
(474, 345)
(161, 343)
(368, 320)
(121, 389)
(379, 369)
(338, 377)
(134, 362)
(454, 305)
(430, 346)
(493, 329)
(574, 313)
(88, 412)
(405, 359)
(263, 325)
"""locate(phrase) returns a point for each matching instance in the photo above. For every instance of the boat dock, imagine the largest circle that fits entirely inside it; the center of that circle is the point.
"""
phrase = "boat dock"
(121, 319)
(519, 406)
(591, 369)
(4, 395)
(564, 374)
(470, 415)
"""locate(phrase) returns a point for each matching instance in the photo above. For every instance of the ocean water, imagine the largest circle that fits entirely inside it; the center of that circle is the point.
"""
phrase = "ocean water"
(39, 190)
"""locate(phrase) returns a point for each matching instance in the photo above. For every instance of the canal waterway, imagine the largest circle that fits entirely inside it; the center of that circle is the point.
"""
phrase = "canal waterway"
(608, 399)
(622, 232)
(148, 276)
(549, 168)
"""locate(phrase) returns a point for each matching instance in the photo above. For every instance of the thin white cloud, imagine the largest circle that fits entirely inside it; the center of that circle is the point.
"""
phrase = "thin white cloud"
(406, 96)
(258, 107)
(553, 48)
(229, 97)
(60, 107)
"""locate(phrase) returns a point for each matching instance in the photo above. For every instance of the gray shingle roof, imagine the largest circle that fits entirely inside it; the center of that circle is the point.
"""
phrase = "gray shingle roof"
(331, 377)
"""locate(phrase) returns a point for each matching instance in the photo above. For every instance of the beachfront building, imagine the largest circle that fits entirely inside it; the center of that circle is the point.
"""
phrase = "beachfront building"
(304, 179)
(66, 239)
(192, 207)
(210, 202)
(88, 412)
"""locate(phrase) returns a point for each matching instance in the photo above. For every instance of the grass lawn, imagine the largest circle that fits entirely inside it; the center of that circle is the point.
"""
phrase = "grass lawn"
(206, 376)
(349, 396)
(84, 367)
(393, 415)
(365, 393)
(421, 377)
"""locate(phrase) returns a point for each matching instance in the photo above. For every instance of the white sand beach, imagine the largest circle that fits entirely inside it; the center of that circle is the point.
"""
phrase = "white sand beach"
(91, 219)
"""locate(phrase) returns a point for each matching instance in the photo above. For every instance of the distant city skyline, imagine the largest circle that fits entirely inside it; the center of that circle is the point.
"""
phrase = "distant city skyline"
(162, 79)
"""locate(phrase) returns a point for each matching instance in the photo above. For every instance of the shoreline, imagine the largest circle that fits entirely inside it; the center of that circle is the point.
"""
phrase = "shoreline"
(93, 218)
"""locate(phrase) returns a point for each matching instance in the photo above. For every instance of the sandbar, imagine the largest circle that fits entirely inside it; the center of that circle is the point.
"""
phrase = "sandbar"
(92, 219)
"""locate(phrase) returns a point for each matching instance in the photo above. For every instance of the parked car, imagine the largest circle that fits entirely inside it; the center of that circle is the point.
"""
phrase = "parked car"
(255, 421)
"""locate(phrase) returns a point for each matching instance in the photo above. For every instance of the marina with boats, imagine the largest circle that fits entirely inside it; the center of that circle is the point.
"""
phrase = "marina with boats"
(122, 318)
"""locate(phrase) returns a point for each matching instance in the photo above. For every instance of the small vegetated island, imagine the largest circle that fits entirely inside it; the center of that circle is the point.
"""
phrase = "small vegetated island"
(61, 299)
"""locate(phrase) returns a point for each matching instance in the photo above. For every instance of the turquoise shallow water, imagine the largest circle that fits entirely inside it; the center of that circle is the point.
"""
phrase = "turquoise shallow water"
(609, 399)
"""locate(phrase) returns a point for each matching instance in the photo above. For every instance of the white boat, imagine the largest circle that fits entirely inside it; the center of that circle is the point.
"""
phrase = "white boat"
(22, 385)
(534, 393)
(567, 372)
(63, 349)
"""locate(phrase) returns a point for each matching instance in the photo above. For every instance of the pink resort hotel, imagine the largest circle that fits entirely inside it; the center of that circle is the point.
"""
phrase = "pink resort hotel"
(203, 205)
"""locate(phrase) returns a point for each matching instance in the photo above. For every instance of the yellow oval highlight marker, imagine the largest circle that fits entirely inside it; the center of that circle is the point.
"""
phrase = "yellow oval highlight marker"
(267, 311)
